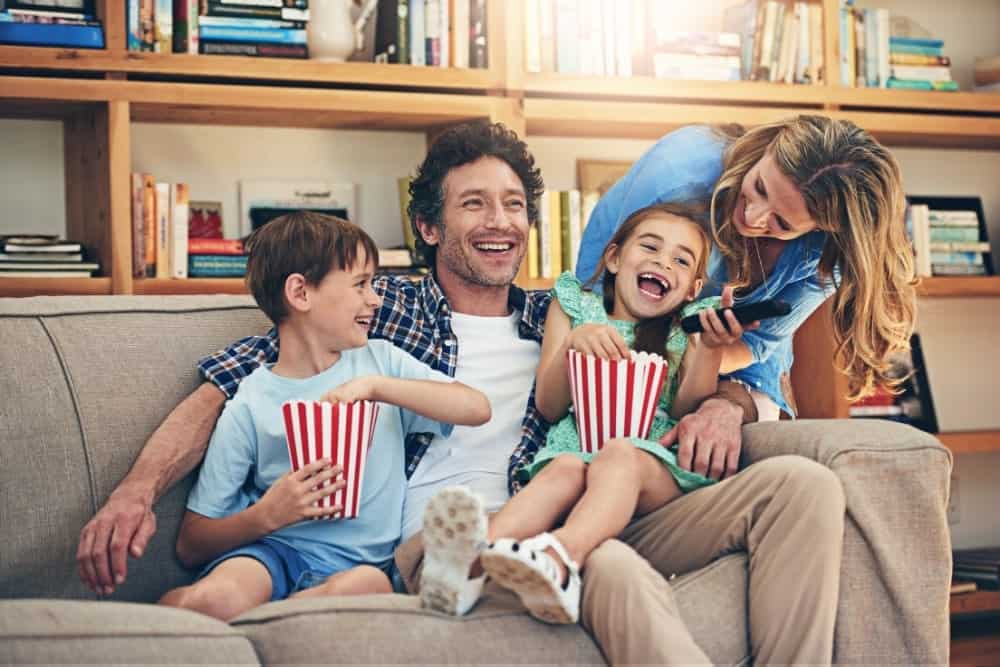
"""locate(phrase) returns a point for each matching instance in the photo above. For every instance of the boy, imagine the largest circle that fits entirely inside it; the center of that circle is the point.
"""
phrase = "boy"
(312, 276)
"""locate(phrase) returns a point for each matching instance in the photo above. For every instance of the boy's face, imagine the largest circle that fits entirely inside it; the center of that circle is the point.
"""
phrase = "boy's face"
(483, 233)
(343, 305)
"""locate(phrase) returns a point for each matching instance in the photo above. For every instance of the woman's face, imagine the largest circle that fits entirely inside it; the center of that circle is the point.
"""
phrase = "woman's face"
(770, 205)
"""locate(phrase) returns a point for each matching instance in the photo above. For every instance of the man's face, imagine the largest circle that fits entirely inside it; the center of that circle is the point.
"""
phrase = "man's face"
(483, 233)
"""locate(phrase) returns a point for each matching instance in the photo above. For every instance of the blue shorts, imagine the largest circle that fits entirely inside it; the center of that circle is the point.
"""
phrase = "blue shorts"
(289, 570)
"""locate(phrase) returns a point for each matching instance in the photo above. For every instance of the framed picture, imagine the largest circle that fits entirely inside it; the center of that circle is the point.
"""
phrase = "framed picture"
(599, 175)
(262, 201)
(915, 399)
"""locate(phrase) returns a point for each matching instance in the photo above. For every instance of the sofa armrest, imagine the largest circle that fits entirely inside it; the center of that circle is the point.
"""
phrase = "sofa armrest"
(896, 568)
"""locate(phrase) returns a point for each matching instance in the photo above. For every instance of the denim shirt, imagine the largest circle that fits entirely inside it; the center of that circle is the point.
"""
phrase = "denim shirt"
(685, 166)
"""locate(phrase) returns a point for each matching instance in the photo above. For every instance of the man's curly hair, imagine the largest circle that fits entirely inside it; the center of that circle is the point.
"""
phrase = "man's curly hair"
(461, 145)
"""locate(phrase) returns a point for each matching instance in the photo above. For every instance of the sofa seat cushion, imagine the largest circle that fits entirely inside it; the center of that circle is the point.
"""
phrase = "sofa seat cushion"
(78, 632)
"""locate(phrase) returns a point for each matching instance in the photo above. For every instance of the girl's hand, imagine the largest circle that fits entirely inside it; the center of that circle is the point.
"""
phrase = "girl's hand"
(359, 389)
(714, 331)
(291, 498)
(599, 340)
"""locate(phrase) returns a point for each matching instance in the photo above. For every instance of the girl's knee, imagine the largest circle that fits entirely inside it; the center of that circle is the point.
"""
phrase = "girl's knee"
(566, 467)
(619, 451)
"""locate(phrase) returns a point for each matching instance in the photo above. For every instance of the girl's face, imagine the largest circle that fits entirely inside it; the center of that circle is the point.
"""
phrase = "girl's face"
(770, 205)
(655, 268)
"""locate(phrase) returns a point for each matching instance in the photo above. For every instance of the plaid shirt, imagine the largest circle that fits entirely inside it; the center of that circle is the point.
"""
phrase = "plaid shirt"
(416, 317)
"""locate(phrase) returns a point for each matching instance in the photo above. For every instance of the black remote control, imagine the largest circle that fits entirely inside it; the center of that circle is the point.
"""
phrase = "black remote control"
(746, 313)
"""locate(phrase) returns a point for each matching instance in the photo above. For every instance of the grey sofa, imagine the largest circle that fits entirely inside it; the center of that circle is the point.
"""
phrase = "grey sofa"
(85, 380)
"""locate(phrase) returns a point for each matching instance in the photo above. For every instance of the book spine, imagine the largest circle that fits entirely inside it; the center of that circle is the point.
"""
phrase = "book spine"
(545, 235)
(575, 228)
(215, 247)
(299, 4)
(432, 33)
(960, 246)
(478, 52)
(208, 47)
(533, 269)
(138, 228)
(555, 231)
(921, 72)
(623, 39)
(914, 50)
(532, 36)
(147, 24)
(216, 8)
(149, 222)
(968, 258)
(163, 217)
(186, 26)
(52, 34)
(134, 35)
(565, 230)
(179, 230)
(444, 13)
(163, 27)
(913, 59)
(417, 26)
(567, 37)
(268, 24)
(954, 233)
(252, 35)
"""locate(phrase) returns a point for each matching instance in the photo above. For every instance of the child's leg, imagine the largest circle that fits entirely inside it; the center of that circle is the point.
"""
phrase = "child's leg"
(360, 580)
(233, 587)
(542, 503)
(622, 481)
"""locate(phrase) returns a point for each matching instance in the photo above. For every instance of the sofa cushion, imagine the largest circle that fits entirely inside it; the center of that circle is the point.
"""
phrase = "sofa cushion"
(86, 382)
(79, 632)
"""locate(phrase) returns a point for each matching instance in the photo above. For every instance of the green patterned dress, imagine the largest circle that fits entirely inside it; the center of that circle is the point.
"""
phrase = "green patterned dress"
(585, 307)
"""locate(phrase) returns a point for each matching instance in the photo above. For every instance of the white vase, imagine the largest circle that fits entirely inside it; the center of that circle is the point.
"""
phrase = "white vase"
(331, 30)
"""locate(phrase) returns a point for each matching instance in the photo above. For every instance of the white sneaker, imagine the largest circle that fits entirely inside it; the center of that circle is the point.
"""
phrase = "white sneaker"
(525, 568)
(454, 533)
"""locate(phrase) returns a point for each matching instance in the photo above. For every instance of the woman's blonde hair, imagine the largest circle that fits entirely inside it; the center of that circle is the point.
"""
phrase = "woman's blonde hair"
(651, 335)
(852, 188)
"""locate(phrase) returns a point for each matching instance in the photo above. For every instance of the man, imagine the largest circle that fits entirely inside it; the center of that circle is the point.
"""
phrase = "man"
(473, 201)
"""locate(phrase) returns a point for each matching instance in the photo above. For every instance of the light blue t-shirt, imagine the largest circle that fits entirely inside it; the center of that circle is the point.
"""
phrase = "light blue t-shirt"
(248, 453)
(685, 165)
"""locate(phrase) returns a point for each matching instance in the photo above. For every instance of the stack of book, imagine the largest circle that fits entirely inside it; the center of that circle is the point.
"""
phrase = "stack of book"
(68, 23)
(432, 33)
(979, 565)
(948, 242)
(42, 256)
(767, 40)
(216, 258)
(987, 75)
(554, 243)
(160, 213)
(911, 403)
(919, 64)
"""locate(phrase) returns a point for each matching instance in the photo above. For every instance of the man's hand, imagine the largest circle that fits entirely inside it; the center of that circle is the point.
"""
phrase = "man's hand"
(119, 529)
(709, 439)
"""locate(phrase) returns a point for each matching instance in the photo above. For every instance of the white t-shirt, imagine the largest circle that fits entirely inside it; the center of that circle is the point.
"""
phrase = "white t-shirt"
(495, 360)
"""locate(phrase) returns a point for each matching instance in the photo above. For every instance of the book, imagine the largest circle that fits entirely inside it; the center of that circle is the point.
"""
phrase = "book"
(163, 216)
(48, 266)
(960, 587)
(217, 266)
(211, 47)
(52, 34)
(32, 258)
(179, 213)
(4, 273)
(264, 200)
(460, 33)
(20, 245)
(392, 32)
(213, 246)
(478, 34)
(913, 404)
(956, 213)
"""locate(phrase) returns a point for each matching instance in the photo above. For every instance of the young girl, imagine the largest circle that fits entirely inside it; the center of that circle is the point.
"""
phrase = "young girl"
(653, 269)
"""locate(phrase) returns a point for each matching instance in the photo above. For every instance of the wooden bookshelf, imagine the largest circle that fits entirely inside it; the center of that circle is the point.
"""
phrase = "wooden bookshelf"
(975, 602)
(21, 287)
(971, 442)
(189, 286)
(960, 286)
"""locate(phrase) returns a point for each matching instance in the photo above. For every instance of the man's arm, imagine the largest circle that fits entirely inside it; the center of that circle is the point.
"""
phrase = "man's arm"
(709, 439)
(125, 523)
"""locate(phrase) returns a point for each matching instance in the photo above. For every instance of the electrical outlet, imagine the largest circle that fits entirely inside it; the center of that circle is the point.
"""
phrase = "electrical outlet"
(954, 515)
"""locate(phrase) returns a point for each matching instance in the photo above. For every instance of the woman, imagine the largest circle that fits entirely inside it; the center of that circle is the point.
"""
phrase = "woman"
(800, 210)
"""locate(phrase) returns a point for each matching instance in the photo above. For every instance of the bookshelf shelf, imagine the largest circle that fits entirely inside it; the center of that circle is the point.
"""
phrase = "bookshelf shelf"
(189, 286)
(975, 602)
(971, 442)
(960, 286)
(882, 98)
(19, 287)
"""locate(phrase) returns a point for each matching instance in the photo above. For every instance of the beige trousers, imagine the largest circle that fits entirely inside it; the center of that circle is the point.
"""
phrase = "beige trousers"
(786, 512)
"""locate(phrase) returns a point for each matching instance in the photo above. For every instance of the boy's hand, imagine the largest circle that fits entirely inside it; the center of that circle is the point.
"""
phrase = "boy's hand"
(599, 340)
(291, 498)
(718, 333)
(359, 389)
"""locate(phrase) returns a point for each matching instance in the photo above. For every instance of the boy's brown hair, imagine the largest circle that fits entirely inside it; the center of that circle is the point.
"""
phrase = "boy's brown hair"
(312, 244)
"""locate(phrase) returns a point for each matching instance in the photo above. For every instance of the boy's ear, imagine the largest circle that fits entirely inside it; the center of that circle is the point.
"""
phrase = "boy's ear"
(695, 290)
(429, 232)
(296, 294)
(612, 261)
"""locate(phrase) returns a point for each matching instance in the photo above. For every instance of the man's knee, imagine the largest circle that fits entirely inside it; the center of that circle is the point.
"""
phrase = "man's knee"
(609, 564)
(806, 487)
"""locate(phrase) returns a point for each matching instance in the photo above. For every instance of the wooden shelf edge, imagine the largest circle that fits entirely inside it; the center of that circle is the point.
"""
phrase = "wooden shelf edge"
(175, 286)
(975, 602)
(970, 442)
(959, 286)
(883, 98)
(25, 287)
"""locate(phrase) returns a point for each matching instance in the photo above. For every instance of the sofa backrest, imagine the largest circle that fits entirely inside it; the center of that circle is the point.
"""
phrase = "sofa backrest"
(84, 382)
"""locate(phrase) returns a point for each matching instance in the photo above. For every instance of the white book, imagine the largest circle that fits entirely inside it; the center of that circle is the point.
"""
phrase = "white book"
(444, 12)
(816, 69)
(163, 218)
(608, 27)
(417, 33)
(179, 213)
(882, 23)
(802, 59)
(921, 72)
(921, 238)
(460, 33)
(623, 38)
(532, 36)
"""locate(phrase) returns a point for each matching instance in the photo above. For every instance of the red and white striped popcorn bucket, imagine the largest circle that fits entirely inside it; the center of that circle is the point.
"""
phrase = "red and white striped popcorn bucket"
(341, 432)
(614, 399)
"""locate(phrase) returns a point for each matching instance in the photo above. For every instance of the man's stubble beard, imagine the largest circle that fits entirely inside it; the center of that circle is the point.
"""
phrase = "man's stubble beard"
(452, 255)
